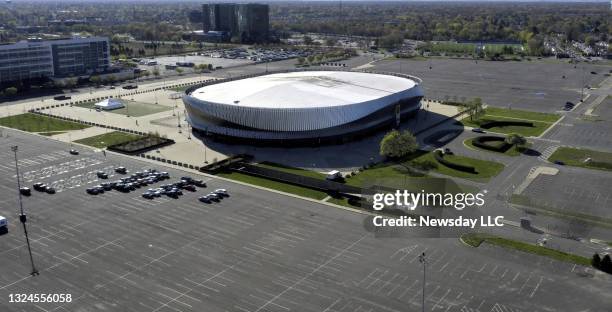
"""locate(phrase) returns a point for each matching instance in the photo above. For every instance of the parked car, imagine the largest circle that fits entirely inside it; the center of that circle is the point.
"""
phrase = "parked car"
(73, 152)
(190, 187)
(107, 186)
(102, 175)
(560, 163)
(205, 199)
(221, 192)
(121, 170)
(3, 225)
(24, 190)
(478, 130)
(39, 186)
(92, 191)
(49, 190)
(199, 183)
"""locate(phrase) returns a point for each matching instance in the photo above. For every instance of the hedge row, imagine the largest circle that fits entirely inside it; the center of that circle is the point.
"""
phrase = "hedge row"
(440, 158)
(502, 123)
(481, 142)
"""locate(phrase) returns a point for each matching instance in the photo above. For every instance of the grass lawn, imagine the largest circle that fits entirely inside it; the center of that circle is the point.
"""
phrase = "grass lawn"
(485, 169)
(132, 108)
(37, 123)
(396, 175)
(521, 114)
(513, 151)
(476, 239)
(108, 139)
(576, 156)
(279, 186)
(541, 121)
(387, 174)
(297, 171)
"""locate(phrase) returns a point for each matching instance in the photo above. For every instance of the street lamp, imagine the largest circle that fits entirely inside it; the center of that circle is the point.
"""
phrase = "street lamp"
(423, 260)
(22, 216)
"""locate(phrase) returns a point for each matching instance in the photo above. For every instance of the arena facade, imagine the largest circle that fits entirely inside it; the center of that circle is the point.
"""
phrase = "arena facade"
(312, 107)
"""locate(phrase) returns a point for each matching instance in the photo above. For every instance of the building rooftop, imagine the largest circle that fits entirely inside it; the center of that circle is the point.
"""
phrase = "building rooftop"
(304, 89)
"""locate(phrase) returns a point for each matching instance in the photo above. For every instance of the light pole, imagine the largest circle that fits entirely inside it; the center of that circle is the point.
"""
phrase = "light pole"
(22, 216)
(423, 260)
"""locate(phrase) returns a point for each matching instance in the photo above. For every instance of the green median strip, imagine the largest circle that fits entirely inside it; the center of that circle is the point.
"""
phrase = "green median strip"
(476, 239)
(275, 185)
(584, 158)
(293, 170)
(521, 114)
(540, 121)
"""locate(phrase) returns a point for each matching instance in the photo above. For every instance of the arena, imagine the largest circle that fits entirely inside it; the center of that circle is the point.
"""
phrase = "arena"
(302, 106)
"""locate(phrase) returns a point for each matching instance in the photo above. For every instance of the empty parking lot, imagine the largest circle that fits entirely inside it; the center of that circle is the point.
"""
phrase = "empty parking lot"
(253, 251)
(531, 85)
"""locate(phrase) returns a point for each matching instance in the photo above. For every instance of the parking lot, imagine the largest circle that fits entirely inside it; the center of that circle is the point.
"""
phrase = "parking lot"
(531, 85)
(592, 132)
(574, 190)
(253, 251)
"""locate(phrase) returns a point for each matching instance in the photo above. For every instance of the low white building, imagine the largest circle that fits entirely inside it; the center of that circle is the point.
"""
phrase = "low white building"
(109, 104)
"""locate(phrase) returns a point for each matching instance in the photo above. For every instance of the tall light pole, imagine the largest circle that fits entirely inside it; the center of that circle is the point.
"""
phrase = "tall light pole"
(423, 260)
(22, 216)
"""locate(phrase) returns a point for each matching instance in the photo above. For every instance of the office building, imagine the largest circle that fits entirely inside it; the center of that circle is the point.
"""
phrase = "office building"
(36, 59)
(253, 22)
(247, 23)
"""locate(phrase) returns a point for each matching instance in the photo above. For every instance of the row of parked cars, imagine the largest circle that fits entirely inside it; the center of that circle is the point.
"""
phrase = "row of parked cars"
(127, 184)
(41, 187)
(175, 189)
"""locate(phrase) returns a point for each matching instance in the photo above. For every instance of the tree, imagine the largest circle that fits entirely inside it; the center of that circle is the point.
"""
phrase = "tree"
(95, 80)
(71, 83)
(596, 261)
(179, 70)
(516, 139)
(475, 108)
(10, 91)
(156, 72)
(397, 144)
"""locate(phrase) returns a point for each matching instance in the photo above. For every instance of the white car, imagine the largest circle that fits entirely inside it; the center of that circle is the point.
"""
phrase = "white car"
(222, 192)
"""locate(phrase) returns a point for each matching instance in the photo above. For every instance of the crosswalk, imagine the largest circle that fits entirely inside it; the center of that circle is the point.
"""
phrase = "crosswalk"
(547, 152)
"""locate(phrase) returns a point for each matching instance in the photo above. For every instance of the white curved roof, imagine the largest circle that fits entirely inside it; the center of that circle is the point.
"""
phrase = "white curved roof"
(309, 89)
